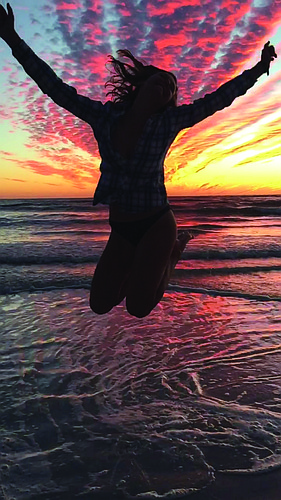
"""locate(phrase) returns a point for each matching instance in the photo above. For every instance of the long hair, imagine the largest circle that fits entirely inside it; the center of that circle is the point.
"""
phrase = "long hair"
(127, 78)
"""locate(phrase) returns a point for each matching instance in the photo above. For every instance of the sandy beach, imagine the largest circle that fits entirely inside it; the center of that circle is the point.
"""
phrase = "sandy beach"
(107, 407)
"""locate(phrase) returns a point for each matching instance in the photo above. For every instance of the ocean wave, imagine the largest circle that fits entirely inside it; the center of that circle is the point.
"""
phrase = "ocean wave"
(34, 260)
(47, 204)
(232, 211)
(240, 206)
(53, 285)
(73, 232)
(74, 283)
(232, 254)
(224, 293)
(245, 206)
(37, 255)
(226, 270)
(54, 221)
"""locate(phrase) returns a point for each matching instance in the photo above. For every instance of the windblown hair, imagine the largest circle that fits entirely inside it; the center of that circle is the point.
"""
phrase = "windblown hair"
(127, 77)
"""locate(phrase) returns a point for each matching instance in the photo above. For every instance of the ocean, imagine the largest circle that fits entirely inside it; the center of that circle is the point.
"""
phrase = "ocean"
(105, 407)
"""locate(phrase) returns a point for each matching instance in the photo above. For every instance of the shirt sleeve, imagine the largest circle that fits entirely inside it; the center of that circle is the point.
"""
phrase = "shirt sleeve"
(62, 94)
(188, 115)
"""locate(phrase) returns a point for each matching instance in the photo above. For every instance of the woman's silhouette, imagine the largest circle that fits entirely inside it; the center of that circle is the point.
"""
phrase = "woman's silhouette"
(134, 132)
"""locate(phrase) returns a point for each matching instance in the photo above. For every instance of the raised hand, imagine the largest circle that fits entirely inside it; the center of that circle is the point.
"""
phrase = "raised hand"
(7, 26)
(268, 54)
(7, 22)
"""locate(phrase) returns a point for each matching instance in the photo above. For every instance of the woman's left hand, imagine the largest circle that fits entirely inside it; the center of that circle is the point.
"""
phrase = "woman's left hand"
(268, 54)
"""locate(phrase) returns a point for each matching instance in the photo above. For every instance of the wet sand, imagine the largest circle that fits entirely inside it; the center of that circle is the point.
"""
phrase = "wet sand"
(266, 486)
(93, 406)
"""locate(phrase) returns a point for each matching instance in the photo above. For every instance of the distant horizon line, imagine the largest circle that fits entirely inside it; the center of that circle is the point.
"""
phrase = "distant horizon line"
(169, 197)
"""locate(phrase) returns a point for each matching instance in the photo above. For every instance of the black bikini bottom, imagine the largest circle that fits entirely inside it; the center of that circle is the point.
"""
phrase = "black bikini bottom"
(133, 231)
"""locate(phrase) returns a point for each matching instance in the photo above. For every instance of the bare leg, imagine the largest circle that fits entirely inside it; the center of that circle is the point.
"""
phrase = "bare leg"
(140, 274)
(179, 247)
(111, 275)
(155, 257)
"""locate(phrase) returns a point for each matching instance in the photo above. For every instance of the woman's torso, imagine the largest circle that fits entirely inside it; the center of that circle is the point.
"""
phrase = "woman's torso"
(132, 166)
(124, 139)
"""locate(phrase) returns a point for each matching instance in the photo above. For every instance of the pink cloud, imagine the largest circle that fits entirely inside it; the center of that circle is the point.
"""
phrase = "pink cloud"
(68, 6)
(161, 8)
(124, 11)
(177, 40)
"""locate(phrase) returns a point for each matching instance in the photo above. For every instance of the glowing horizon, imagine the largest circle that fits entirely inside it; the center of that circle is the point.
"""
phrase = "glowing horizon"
(46, 152)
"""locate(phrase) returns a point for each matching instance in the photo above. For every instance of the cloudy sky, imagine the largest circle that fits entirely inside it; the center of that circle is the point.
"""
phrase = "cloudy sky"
(45, 151)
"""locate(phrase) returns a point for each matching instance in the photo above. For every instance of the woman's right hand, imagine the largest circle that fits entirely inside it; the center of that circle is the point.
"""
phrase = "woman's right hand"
(7, 22)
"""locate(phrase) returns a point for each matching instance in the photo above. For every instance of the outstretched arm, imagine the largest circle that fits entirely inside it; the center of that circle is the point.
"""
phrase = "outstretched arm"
(267, 56)
(62, 94)
(188, 115)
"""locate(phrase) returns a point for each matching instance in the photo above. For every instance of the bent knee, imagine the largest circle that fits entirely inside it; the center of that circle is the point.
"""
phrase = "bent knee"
(99, 307)
(139, 308)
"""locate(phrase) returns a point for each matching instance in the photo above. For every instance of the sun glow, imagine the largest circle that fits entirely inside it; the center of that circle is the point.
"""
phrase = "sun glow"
(45, 151)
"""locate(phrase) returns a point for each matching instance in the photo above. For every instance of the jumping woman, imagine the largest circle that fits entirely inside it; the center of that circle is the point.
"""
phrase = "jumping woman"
(134, 131)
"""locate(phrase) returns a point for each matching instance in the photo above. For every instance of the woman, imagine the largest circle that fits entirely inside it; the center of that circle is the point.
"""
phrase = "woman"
(134, 132)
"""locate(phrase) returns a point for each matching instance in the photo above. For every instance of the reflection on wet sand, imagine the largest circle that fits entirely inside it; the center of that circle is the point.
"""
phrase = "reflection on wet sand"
(95, 405)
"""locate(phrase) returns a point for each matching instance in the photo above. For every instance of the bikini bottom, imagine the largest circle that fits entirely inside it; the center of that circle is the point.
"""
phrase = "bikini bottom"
(133, 231)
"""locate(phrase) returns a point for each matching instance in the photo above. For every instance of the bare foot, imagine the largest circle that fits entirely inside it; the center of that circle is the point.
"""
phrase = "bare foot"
(179, 246)
(183, 238)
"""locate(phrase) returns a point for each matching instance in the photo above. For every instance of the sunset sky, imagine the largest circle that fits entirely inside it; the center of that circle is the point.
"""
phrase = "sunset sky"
(46, 152)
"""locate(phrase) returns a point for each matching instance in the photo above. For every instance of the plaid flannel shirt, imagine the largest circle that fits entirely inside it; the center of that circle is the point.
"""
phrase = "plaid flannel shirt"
(135, 184)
